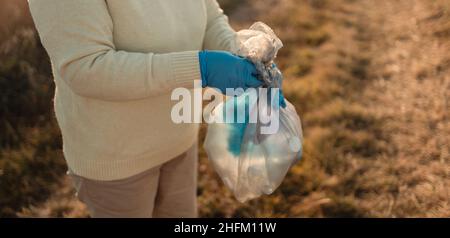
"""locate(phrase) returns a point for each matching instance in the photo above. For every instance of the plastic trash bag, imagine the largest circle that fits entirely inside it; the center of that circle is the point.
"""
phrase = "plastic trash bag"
(249, 161)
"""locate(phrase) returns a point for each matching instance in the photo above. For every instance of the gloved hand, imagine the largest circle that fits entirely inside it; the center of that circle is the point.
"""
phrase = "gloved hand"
(222, 70)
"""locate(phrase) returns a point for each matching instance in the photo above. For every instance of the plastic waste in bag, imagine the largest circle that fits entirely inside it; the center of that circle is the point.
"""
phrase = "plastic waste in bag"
(252, 162)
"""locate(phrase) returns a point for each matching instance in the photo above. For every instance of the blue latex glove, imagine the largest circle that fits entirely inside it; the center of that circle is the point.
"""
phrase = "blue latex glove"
(222, 70)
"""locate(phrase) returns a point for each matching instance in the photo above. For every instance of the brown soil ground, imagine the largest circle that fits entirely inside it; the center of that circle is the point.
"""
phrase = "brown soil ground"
(411, 89)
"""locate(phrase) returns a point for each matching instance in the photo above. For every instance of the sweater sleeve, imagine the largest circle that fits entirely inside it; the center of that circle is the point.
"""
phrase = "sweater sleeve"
(78, 36)
(219, 34)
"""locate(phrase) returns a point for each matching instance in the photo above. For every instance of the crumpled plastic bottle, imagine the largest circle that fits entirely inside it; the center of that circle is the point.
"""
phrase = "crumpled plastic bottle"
(249, 162)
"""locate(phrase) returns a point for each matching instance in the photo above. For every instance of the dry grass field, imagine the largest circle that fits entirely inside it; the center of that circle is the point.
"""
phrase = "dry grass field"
(370, 80)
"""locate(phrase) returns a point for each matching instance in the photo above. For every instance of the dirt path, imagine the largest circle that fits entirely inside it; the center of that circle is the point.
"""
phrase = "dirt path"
(411, 89)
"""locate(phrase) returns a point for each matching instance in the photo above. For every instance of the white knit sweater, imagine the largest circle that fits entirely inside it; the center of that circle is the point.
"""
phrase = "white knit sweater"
(115, 63)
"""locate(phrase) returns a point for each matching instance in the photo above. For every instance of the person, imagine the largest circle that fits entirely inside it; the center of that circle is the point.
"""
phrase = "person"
(115, 63)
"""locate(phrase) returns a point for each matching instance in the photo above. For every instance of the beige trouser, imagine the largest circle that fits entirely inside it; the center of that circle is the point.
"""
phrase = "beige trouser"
(168, 190)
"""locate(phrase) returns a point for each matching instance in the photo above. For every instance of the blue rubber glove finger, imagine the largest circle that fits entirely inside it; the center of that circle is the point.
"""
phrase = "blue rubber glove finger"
(253, 82)
(251, 67)
(281, 99)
